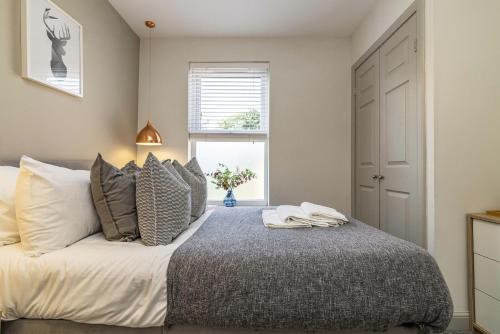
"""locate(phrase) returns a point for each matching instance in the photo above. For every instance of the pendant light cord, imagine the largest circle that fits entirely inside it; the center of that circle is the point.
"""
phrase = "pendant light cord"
(149, 77)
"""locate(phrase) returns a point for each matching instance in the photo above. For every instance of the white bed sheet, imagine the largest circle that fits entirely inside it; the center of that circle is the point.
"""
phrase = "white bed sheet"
(92, 281)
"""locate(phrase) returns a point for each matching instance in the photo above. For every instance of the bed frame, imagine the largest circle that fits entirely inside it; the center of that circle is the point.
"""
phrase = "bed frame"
(38, 326)
(72, 164)
(46, 326)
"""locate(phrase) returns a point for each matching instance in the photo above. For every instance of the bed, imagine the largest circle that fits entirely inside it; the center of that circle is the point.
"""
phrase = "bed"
(228, 274)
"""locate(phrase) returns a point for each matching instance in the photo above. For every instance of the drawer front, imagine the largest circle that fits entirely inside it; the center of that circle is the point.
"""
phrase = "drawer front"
(487, 312)
(487, 275)
(487, 239)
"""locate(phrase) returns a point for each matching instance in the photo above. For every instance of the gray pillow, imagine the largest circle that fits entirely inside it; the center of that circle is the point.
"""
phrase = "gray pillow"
(193, 175)
(163, 202)
(131, 168)
(113, 193)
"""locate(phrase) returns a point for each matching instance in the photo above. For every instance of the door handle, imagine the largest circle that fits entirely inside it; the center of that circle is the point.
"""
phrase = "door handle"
(375, 177)
(381, 177)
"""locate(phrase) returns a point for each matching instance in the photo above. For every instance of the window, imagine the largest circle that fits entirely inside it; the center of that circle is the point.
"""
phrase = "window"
(228, 123)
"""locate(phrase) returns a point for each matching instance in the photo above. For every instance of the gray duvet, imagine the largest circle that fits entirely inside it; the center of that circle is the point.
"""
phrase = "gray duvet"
(234, 272)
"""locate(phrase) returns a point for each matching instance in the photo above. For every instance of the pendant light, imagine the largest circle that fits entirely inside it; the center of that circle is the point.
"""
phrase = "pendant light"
(149, 135)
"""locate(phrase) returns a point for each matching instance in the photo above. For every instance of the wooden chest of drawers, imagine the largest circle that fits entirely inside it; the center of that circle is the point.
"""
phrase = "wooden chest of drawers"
(483, 239)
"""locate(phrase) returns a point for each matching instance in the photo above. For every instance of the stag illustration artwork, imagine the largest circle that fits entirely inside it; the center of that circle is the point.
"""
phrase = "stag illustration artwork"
(59, 69)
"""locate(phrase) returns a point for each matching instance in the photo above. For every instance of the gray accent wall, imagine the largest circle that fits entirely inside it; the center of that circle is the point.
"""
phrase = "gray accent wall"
(49, 124)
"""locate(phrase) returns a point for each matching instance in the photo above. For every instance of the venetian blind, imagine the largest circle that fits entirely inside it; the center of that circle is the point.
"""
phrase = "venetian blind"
(228, 98)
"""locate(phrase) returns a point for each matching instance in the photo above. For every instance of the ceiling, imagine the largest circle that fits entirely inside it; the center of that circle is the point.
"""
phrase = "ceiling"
(244, 18)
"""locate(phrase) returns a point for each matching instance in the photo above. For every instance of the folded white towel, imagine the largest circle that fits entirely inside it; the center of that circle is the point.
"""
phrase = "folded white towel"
(305, 215)
(272, 220)
(291, 213)
(323, 213)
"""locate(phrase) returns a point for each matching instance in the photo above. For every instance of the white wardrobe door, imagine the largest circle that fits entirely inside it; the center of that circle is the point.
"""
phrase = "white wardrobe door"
(399, 193)
(367, 141)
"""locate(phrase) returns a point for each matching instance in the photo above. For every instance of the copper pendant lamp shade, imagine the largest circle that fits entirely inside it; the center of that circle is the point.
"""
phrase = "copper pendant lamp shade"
(148, 136)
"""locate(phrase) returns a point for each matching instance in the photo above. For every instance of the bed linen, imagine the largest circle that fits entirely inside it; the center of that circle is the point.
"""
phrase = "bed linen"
(93, 281)
(9, 233)
(235, 272)
(54, 206)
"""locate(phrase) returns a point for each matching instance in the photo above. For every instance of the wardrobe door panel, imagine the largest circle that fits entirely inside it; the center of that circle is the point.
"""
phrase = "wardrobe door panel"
(367, 141)
(399, 193)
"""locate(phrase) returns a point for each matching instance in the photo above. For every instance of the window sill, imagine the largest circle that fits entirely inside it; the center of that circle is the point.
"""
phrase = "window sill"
(238, 203)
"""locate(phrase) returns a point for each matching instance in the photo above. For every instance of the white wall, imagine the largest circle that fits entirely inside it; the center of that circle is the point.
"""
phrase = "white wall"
(467, 127)
(309, 109)
(49, 124)
(378, 20)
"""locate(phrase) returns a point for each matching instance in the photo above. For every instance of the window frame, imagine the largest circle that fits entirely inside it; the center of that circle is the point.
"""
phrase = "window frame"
(218, 137)
(235, 136)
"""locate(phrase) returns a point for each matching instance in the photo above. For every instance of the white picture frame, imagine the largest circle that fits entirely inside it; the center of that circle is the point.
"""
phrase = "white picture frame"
(52, 46)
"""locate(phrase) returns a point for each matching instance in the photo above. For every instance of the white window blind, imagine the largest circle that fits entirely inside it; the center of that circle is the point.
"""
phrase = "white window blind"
(228, 98)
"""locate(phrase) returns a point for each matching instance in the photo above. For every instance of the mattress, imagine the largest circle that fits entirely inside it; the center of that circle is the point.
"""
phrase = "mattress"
(93, 281)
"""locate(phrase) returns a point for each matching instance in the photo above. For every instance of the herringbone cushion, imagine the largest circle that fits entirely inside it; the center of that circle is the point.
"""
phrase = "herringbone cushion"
(163, 202)
(194, 177)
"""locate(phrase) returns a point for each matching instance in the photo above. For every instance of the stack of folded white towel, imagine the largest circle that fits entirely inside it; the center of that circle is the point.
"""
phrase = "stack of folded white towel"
(305, 215)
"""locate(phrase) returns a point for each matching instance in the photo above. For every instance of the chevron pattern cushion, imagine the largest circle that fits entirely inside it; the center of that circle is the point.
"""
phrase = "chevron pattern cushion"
(193, 175)
(163, 202)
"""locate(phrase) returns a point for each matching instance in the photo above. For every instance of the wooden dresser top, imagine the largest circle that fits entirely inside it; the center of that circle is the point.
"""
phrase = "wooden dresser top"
(484, 217)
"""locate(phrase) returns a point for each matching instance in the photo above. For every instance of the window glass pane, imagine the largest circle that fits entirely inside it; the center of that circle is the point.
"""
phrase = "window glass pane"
(234, 154)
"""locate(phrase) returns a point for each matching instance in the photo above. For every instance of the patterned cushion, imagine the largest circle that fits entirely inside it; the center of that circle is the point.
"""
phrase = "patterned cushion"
(193, 175)
(163, 202)
(113, 193)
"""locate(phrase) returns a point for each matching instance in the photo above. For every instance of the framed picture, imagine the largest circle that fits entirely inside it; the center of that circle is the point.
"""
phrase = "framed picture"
(52, 47)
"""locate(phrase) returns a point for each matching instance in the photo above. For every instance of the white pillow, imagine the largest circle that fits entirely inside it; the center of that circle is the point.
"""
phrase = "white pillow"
(9, 233)
(54, 206)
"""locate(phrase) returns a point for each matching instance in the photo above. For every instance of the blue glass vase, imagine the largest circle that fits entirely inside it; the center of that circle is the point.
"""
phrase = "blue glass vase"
(229, 200)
